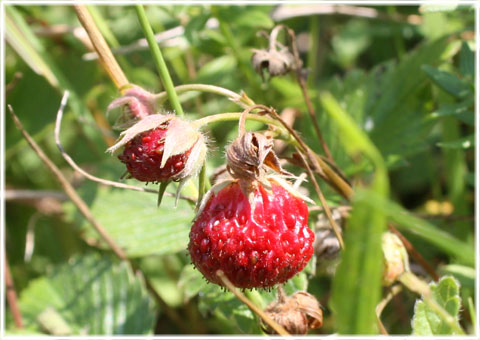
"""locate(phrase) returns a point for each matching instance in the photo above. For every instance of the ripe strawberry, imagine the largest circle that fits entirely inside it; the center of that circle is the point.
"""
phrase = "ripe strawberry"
(256, 243)
(160, 148)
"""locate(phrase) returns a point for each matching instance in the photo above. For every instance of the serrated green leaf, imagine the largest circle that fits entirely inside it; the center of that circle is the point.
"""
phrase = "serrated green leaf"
(448, 82)
(135, 223)
(426, 321)
(462, 143)
(467, 61)
(465, 275)
(89, 295)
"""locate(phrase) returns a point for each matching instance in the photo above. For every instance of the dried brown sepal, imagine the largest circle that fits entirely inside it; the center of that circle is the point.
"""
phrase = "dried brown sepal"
(296, 313)
(276, 63)
(250, 154)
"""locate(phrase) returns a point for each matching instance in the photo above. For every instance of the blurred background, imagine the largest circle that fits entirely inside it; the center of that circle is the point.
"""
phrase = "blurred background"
(404, 73)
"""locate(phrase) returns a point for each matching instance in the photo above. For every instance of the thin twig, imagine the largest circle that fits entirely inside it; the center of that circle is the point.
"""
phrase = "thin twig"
(241, 99)
(320, 166)
(72, 163)
(315, 161)
(12, 295)
(13, 83)
(415, 254)
(275, 326)
(328, 212)
(299, 72)
(20, 194)
(83, 208)
(68, 188)
(285, 12)
(392, 292)
(107, 59)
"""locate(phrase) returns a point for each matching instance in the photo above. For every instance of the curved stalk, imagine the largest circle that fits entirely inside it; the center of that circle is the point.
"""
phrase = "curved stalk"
(241, 99)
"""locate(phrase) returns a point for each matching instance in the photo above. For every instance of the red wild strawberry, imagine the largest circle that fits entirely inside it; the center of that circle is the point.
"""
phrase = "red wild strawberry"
(160, 148)
(255, 227)
(255, 245)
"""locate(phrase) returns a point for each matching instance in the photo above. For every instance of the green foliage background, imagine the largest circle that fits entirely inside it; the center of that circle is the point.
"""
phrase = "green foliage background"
(407, 88)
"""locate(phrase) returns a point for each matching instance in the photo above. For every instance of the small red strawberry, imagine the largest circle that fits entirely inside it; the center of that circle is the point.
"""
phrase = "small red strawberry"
(254, 227)
(161, 148)
(255, 245)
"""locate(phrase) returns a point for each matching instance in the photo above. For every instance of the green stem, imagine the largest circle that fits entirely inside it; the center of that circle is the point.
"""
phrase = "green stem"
(223, 117)
(241, 99)
(202, 181)
(159, 61)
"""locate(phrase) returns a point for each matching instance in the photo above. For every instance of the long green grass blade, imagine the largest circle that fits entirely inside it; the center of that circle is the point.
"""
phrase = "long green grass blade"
(357, 283)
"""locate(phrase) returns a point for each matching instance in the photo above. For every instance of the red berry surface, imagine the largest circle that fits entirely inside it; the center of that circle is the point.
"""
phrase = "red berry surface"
(255, 249)
(143, 156)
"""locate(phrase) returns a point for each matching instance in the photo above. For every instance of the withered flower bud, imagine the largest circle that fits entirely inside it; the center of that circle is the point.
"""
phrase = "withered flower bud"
(277, 63)
(396, 258)
(137, 103)
(327, 246)
(296, 313)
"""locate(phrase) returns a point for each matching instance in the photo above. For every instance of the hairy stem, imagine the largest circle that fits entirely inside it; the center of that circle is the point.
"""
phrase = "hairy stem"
(241, 99)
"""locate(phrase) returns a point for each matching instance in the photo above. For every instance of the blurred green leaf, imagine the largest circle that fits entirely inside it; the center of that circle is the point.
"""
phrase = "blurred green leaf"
(357, 284)
(448, 82)
(135, 223)
(214, 71)
(89, 295)
(467, 61)
(426, 321)
(351, 41)
(463, 251)
(465, 275)
(425, 8)
(462, 143)
(463, 111)
(20, 36)
(254, 18)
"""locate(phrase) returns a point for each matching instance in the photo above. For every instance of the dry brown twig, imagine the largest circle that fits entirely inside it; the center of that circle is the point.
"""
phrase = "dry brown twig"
(301, 79)
(382, 304)
(105, 54)
(12, 295)
(255, 309)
